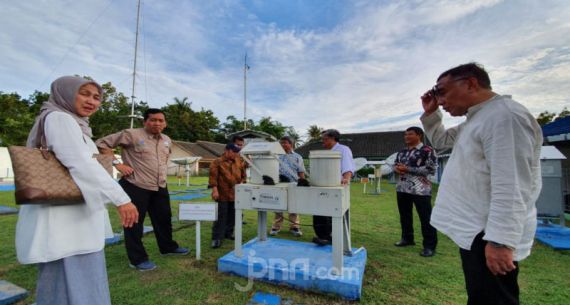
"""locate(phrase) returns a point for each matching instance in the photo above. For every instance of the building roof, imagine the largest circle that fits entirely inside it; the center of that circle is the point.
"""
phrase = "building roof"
(204, 149)
(369, 145)
(248, 133)
(558, 127)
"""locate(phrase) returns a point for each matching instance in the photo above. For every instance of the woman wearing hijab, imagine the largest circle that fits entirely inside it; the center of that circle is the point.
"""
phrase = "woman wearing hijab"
(67, 241)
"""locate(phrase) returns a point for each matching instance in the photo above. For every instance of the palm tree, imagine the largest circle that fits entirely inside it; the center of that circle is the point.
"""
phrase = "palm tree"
(292, 133)
(314, 133)
(183, 104)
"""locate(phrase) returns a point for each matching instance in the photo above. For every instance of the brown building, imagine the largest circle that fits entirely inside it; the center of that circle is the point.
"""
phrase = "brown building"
(208, 151)
(374, 146)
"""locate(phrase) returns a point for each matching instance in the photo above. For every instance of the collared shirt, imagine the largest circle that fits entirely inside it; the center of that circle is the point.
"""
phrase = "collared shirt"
(146, 153)
(492, 179)
(346, 160)
(291, 165)
(421, 163)
(225, 173)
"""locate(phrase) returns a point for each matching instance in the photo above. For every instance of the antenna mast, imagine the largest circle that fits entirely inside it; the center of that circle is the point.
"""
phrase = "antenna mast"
(245, 68)
(132, 116)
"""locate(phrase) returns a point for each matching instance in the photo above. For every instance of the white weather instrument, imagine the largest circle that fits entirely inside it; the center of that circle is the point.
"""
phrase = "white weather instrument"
(332, 200)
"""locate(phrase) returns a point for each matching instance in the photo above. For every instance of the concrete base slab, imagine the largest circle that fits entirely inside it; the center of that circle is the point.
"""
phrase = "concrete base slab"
(10, 293)
(299, 265)
(147, 229)
(6, 210)
(554, 236)
(117, 238)
(7, 187)
(261, 298)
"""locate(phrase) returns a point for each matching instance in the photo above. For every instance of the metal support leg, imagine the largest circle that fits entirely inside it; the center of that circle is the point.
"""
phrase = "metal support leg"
(337, 244)
(197, 240)
(238, 234)
(347, 249)
(262, 225)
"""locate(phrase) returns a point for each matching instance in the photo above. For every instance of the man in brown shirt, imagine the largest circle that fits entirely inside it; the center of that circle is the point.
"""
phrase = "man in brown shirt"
(225, 173)
(145, 153)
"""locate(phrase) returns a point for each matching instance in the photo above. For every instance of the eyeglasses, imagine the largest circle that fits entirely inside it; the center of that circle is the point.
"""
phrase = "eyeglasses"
(436, 91)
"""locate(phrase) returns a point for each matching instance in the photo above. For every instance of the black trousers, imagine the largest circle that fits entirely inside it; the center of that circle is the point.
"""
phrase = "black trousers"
(224, 226)
(157, 203)
(423, 206)
(322, 226)
(484, 288)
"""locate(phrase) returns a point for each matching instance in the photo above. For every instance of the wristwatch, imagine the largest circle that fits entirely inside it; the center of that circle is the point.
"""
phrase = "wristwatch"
(498, 245)
(116, 162)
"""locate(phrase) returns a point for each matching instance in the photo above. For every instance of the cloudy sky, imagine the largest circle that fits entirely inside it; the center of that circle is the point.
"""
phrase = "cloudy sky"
(353, 65)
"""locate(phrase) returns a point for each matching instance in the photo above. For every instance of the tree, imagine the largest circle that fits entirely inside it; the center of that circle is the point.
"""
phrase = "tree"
(314, 133)
(185, 124)
(273, 128)
(292, 133)
(232, 124)
(36, 101)
(15, 119)
(564, 113)
(546, 117)
(113, 114)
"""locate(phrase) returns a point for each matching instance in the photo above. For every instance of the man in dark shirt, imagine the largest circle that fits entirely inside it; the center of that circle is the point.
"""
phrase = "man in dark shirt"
(413, 165)
(225, 173)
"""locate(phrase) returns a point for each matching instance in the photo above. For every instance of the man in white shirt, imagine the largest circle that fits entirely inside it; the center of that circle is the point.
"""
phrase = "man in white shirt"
(323, 224)
(486, 199)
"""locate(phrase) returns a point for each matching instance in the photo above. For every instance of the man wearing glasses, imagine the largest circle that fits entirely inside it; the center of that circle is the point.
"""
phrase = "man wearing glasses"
(486, 198)
(323, 224)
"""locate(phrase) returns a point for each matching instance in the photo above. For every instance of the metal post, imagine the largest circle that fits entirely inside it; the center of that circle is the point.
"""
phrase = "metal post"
(337, 245)
(135, 66)
(261, 225)
(238, 233)
(245, 67)
(187, 168)
(198, 240)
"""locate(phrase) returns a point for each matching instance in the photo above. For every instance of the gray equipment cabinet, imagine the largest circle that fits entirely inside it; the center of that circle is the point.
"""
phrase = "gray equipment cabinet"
(550, 203)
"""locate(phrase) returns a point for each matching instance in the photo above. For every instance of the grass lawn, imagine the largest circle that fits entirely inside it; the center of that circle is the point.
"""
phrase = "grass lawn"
(393, 275)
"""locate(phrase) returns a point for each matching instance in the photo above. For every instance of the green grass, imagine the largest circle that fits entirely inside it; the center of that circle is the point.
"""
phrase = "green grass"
(393, 275)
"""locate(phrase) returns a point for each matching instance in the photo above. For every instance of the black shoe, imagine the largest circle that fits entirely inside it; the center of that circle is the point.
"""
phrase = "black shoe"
(216, 243)
(427, 252)
(321, 242)
(404, 243)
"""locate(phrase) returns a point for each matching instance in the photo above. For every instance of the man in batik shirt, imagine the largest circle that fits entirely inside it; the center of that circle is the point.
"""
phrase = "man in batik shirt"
(414, 164)
(291, 168)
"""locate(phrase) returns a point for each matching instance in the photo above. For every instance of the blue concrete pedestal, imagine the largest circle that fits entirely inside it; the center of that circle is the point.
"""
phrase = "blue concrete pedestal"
(299, 265)
(10, 293)
(6, 210)
(554, 236)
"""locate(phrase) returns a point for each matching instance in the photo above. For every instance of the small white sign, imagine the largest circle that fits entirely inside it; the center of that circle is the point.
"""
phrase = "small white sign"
(198, 211)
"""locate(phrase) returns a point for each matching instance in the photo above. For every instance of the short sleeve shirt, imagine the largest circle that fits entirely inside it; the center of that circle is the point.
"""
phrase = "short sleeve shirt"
(291, 165)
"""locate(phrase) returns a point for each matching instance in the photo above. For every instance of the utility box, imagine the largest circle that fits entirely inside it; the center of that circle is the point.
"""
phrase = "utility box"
(550, 203)
(273, 198)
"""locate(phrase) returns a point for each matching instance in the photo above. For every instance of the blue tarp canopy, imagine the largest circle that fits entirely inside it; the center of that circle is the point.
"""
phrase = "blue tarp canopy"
(560, 126)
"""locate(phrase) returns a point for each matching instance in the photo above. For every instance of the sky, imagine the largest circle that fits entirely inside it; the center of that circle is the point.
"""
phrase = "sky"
(357, 66)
